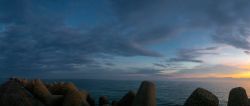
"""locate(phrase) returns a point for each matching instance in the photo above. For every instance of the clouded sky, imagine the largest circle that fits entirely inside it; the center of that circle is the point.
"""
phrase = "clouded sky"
(122, 39)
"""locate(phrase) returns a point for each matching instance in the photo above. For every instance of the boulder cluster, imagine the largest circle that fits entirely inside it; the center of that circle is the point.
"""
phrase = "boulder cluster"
(202, 97)
(23, 92)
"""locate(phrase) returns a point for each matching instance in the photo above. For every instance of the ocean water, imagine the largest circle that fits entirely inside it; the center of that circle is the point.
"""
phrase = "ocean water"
(169, 92)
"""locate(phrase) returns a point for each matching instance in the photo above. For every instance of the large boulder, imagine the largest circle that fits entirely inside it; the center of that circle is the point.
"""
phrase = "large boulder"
(76, 98)
(61, 88)
(202, 97)
(13, 94)
(39, 90)
(238, 97)
(103, 101)
(146, 95)
(127, 100)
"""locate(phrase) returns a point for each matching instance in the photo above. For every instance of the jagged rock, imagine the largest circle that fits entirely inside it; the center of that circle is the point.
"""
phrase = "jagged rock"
(103, 101)
(202, 97)
(146, 95)
(13, 94)
(127, 100)
(76, 98)
(61, 88)
(238, 97)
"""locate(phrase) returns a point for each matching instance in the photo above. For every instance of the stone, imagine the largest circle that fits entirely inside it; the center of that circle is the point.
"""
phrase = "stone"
(13, 94)
(61, 88)
(128, 99)
(76, 98)
(90, 100)
(38, 89)
(114, 103)
(238, 97)
(103, 101)
(202, 97)
(146, 95)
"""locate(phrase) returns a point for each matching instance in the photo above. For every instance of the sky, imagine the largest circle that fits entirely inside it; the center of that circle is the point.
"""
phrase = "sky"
(125, 39)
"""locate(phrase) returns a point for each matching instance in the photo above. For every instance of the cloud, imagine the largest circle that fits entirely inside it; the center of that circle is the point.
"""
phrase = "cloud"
(247, 52)
(192, 55)
(37, 38)
(227, 20)
(160, 65)
(214, 69)
(36, 35)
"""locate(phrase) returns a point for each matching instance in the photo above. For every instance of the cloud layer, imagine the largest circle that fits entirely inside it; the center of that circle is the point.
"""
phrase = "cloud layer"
(42, 37)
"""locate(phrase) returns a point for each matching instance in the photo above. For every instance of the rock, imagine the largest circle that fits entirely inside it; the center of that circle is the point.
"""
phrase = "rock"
(146, 95)
(103, 101)
(202, 97)
(90, 100)
(38, 89)
(13, 94)
(61, 88)
(76, 98)
(238, 97)
(127, 100)
(115, 103)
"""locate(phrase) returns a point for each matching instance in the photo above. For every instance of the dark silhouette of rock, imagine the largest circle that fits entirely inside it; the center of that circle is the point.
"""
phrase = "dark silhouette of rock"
(128, 99)
(146, 95)
(202, 97)
(61, 88)
(103, 101)
(114, 103)
(90, 100)
(76, 98)
(238, 97)
(13, 94)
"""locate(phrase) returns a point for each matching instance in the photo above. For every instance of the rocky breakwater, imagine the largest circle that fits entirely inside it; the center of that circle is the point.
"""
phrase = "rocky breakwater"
(203, 97)
(23, 92)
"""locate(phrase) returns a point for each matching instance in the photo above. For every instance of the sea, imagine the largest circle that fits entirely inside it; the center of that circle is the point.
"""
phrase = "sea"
(169, 92)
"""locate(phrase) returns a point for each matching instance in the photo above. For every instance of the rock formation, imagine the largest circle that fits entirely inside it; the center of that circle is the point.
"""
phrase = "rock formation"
(127, 100)
(238, 97)
(103, 101)
(202, 97)
(23, 92)
(12, 94)
(76, 98)
(146, 95)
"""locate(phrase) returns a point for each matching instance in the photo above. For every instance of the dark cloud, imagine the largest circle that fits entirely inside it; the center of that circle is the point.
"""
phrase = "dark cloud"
(247, 52)
(36, 35)
(146, 71)
(36, 38)
(192, 55)
(227, 20)
(160, 65)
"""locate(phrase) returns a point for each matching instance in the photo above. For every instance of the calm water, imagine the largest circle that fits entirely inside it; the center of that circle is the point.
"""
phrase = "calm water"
(169, 93)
